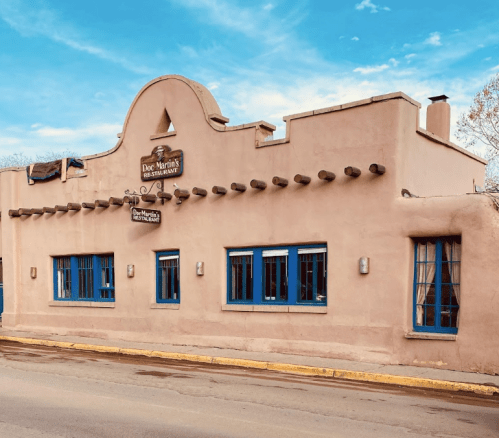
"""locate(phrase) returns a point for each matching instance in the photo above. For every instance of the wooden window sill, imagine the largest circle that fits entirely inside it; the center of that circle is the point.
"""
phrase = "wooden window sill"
(171, 306)
(105, 304)
(274, 309)
(431, 336)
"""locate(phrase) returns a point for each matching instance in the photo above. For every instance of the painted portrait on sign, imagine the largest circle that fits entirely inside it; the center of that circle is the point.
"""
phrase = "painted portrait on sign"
(162, 163)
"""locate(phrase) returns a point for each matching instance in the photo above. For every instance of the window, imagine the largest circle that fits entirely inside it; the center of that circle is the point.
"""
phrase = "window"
(84, 278)
(167, 277)
(437, 267)
(292, 275)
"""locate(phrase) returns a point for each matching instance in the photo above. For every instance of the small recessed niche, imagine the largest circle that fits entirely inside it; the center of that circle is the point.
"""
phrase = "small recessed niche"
(165, 124)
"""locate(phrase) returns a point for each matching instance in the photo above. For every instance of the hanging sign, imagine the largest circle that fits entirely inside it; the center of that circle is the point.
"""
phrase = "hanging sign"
(146, 216)
(162, 163)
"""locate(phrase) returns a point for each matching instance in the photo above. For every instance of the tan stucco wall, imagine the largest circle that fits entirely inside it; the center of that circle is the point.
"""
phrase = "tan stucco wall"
(367, 316)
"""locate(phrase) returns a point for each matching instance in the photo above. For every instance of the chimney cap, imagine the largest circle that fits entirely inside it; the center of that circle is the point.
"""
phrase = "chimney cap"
(442, 97)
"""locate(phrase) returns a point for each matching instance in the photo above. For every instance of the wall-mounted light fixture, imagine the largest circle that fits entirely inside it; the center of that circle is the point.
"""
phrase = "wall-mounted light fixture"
(130, 271)
(364, 265)
(200, 268)
(33, 272)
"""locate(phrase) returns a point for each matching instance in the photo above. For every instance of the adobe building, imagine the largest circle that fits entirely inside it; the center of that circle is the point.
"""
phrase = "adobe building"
(358, 236)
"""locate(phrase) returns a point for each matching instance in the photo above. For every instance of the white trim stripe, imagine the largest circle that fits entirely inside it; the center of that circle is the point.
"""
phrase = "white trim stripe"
(311, 250)
(240, 253)
(170, 257)
(275, 252)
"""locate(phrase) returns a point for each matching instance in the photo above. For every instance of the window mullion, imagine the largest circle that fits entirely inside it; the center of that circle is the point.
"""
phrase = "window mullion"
(293, 269)
(245, 273)
(314, 278)
(96, 278)
(74, 277)
(278, 279)
(257, 276)
(438, 284)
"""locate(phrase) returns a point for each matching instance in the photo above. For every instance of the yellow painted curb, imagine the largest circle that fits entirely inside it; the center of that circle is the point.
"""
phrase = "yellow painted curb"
(183, 356)
(416, 382)
(300, 369)
(246, 363)
(88, 347)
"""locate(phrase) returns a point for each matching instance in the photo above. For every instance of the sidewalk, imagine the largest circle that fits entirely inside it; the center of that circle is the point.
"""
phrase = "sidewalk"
(305, 365)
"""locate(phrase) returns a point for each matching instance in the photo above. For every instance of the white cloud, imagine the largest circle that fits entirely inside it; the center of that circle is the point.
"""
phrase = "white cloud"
(341, 37)
(434, 39)
(268, 7)
(495, 68)
(355, 38)
(9, 141)
(78, 133)
(488, 58)
(85, 140)
(189, 51)
(393, 61)
(368, 4)
(371, 69)
(244, 19)
(31, 22)
(409, 57)
(212, 85)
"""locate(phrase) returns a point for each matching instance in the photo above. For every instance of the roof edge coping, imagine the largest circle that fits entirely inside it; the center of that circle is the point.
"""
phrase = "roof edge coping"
(374, 99)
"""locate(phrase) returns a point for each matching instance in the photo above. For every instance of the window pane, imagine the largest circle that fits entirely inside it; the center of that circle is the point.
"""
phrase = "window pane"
(445, 316)
(453, 316)
(107, 277)
(429, 316)
(430, 294)
(85, 277)
(321, 277)
(275, 278)
(168, 279)
(312, 277)
(63, 266)
(249, 278)
(241, 278)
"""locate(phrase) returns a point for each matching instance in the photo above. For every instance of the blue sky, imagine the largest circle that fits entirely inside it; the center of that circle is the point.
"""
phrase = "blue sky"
(70, 70)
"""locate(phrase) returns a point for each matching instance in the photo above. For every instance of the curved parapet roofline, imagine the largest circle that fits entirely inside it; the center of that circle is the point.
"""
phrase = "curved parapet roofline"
(210, 107)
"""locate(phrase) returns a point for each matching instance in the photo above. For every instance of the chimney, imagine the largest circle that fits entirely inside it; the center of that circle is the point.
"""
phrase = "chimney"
(438, 117)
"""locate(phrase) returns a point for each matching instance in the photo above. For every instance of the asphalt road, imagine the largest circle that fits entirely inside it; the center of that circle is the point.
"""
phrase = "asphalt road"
(50, 392)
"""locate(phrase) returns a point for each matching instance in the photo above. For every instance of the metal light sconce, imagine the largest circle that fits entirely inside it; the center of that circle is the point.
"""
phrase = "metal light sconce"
(33, 272)
(130, 271)
(364, 265)
(200, 268)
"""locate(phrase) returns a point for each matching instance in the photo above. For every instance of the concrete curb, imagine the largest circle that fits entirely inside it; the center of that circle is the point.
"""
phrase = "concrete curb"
(362, 376)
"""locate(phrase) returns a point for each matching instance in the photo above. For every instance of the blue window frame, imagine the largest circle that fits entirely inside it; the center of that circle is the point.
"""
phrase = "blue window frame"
(437, 268)
(84, 278)
(290, 275)
(168, 277)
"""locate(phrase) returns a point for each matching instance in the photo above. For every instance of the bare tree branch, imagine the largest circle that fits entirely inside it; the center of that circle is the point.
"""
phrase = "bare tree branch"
(18, 159)
(481, 125)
